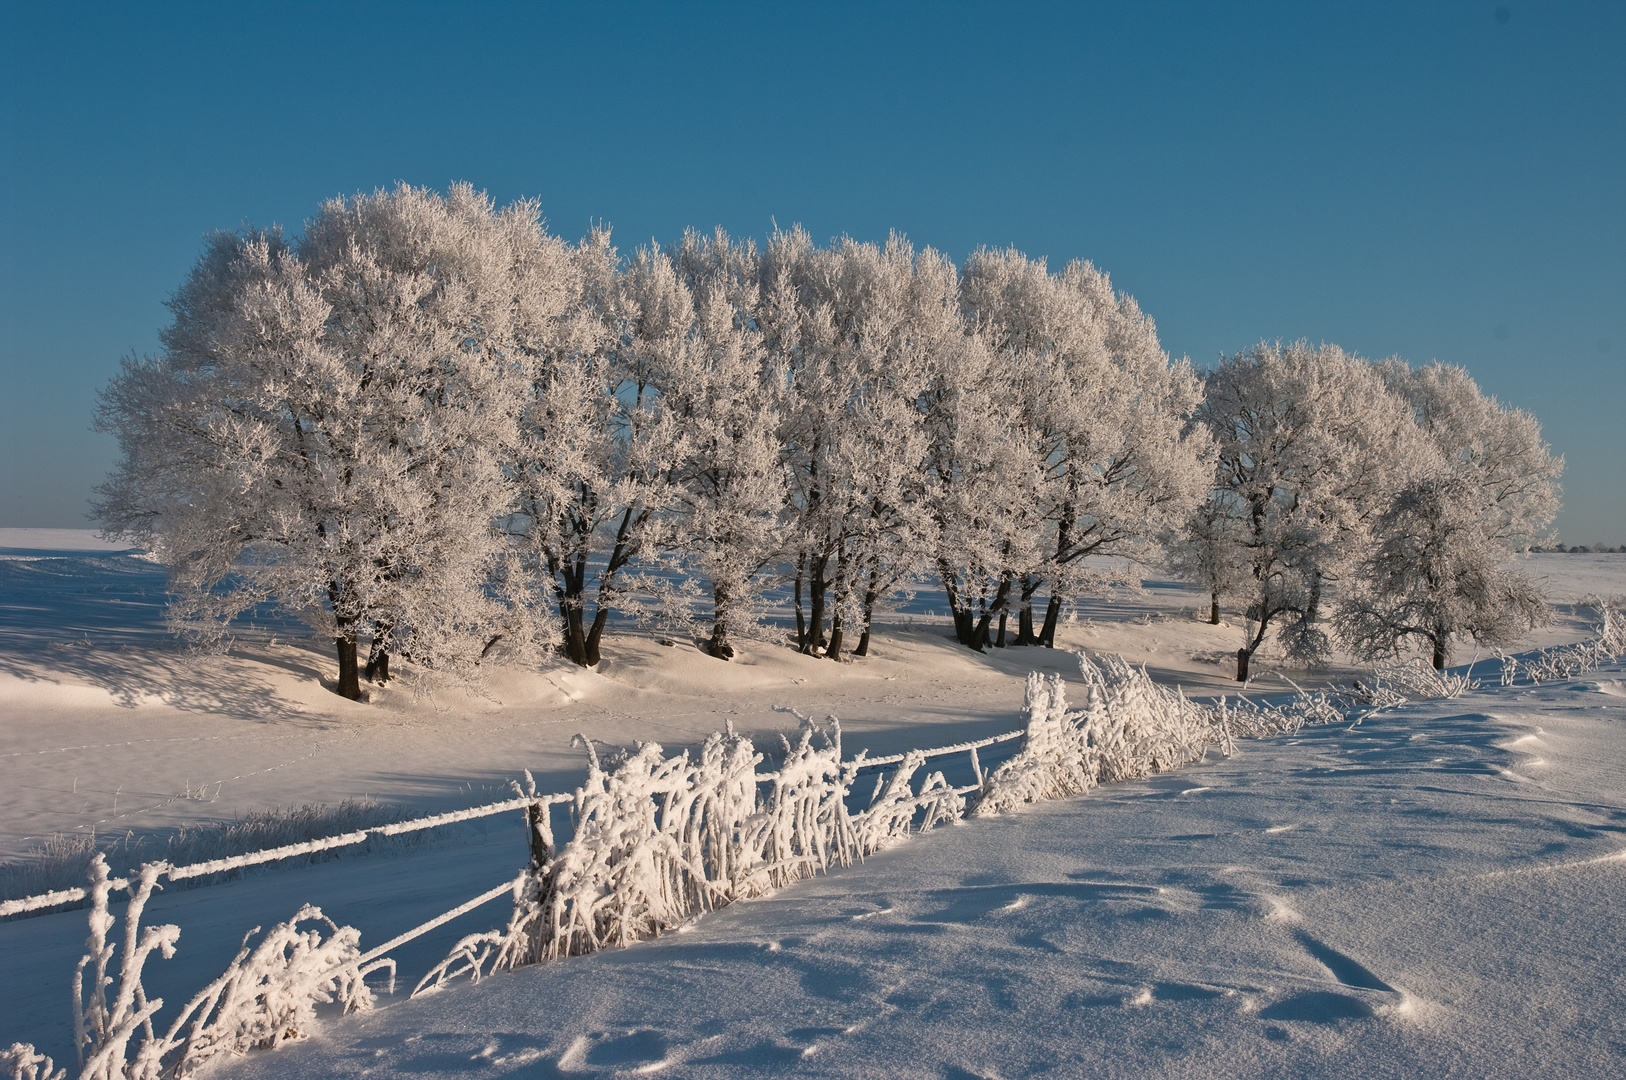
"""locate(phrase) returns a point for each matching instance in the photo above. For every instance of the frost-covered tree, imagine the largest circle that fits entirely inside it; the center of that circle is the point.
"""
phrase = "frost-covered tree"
(320, 428)
(1210, 551)
(590, 461)
(1104, 416)
(837, 323)
(1436, 574)
(1439, 567)
(1311, 444)
(984, 497)
(694, 323)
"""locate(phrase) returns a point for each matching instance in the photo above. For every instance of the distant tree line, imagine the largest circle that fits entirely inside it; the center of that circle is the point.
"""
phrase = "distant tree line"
(1580, 549)
(432, 428)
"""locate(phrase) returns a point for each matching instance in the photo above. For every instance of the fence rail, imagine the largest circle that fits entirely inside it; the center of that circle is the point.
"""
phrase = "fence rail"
(524, 802)
(288, 851)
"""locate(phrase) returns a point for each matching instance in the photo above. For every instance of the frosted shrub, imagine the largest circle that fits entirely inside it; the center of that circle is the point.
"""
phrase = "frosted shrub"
(1129, 727)
(1567, 661)
(1055, 759)
(888, 818)
(660, 840)
(1396, 684)
(266, 996)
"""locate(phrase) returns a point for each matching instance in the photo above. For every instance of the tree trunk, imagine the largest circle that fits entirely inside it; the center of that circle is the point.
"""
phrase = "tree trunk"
(999, 642)
(833, 650)
(595, 635)
(1440, 655)
(801, 620)
(720, 647)
(1242, 656)
(378, 654)
(980, 639)
(575, 636)
(349, 671)
(817, 586)
(1213, 609)
(869, 617)
(1024, 622)
(1052, 615)
(570, 597)
(1312, 610)
(964, 620)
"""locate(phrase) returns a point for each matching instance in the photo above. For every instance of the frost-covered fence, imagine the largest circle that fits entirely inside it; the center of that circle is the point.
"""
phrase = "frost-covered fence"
(1567, 661)
(661, 840)
(267, 995)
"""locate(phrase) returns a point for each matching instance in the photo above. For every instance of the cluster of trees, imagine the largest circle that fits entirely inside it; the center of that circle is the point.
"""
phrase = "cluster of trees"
(431, 426)
(1405, 489)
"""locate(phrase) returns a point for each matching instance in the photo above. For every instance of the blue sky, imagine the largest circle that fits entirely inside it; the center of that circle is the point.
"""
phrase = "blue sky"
(1435, 181)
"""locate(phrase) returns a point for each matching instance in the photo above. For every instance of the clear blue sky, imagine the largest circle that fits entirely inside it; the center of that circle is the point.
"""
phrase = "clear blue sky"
(1436, 181)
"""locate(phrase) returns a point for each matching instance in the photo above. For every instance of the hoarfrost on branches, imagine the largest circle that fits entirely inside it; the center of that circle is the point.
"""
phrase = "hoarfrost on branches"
(266, 996)
(319, 429)
(1438, 569)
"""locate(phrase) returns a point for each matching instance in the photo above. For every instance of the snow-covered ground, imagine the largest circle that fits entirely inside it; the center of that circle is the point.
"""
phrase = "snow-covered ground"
(1418, 895)
(1435, 892)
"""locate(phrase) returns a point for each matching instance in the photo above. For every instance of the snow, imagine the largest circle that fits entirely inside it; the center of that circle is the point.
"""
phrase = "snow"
(1427, 893)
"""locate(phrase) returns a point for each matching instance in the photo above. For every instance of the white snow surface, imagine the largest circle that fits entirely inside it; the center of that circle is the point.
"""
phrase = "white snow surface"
(1434, 892)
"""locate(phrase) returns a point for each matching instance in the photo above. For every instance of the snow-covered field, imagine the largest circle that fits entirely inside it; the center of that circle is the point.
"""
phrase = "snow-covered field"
(1433, 892)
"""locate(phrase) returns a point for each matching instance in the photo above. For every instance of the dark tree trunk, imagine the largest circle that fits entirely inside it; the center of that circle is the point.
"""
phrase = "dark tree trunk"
(1242, 656)
(596, 635)
(1004, 612)
(1052, 615)
(378, 655)
(1024, 631)
(720, 646)
(869, 617)
(1440, 656)
(1213, 609)
(575, 634)
(571, 596)
(817, 587)
(833, 649)
(980, 639)
(964, 619)
(349, 670)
